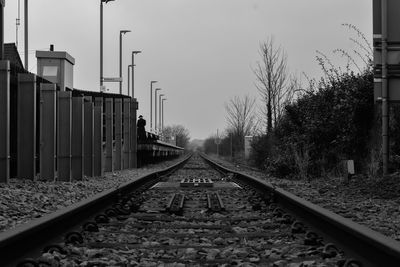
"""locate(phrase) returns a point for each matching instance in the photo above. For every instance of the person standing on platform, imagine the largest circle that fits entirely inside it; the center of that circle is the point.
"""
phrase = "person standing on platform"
(141, 123)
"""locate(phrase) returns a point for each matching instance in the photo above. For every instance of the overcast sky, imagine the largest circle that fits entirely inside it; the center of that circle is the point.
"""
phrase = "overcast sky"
(200, 51)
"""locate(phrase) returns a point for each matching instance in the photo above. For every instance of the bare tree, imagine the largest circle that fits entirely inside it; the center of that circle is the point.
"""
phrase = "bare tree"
(241, 117)
(273, 80)
(178, 133)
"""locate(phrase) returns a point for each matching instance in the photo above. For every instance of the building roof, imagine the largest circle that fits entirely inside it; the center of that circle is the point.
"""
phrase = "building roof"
(11, 54)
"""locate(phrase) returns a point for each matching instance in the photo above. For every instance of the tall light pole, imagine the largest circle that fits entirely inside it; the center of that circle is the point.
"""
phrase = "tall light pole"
(155, 108)
(159, 112)
(101, 40)
(133, 73)
(129, 66)
(121, 32)
(26, 33)
(151, 106)
(162, 114)
(2, 3)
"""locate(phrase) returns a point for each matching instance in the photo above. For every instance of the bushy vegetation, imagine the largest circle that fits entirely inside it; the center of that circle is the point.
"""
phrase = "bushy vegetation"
(321, 128)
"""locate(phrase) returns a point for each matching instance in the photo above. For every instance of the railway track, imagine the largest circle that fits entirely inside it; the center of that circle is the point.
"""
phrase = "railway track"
(196, 216)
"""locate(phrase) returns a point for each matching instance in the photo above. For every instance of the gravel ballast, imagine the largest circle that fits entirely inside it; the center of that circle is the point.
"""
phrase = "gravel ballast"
(24, 200)
(372, 202)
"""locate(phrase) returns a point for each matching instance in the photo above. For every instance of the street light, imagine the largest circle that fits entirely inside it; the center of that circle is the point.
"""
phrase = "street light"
(26, 32)
(129, 66)
(121, 32)
(159, 112)
(101, 40)
(151, 106)
(133, 74)
(162, 114)
(155, 108)
(2, 3)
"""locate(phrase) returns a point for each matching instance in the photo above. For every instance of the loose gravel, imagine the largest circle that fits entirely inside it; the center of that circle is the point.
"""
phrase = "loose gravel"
(373, 202)
(24, 200)
(249, 232)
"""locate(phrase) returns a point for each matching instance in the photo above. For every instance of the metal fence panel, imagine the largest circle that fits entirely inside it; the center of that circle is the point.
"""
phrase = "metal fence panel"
(88, 136)
(64, 136)
(26, 134)
(109, 135)
(48, 131)
(126, 133)
(118, 134)
(98, 137)
(133, 134)
(4, 121)
(77, 145)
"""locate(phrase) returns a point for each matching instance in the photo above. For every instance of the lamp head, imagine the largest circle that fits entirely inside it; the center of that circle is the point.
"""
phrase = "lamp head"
(124, 31)
(136, 52)
(157, 89)
(106, 1)
(153, 82)
(161, 95)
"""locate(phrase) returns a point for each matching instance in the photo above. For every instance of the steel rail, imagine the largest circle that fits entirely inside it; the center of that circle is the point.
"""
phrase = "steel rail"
(359, 242)
(28, 239)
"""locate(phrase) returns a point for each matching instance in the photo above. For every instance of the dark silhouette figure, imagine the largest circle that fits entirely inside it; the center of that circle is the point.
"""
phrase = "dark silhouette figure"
(141, 123)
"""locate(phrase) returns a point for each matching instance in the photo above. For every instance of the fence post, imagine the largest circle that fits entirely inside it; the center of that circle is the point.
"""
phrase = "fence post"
(88, 136)
(26, 134)
(133, 141)
(98, 137)
(77, 145)
(109, 134)
(118, 134)
(126, 129)
(4, 121)
(48, 130)
(64, 135)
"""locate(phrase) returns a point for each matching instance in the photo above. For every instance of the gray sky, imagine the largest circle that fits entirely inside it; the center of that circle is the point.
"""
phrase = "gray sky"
(200, 51)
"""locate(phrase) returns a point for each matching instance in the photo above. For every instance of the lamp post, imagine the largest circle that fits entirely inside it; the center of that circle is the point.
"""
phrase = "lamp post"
(26, 32)
(129, 66)
(155, 108)
(133, 73)
(159, 112)
(162, 114)
(2, 3)
(121, 32)
(151, 106)
(101, 40)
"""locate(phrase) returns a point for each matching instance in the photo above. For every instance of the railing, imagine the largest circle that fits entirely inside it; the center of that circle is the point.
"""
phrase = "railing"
(50, 134)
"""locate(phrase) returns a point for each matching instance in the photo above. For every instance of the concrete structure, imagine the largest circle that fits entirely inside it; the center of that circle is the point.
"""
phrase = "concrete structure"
(57, 67)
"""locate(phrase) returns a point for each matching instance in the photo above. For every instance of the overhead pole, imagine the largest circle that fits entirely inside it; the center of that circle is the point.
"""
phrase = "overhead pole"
(3, 3)
(159, 112)
(101, 44)
(101, 41)
(121, 32)
(129, 80)
(155, 108)
(385, 95)
(151, 105)
(26, 35)
(17, 23)
(133, 72)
